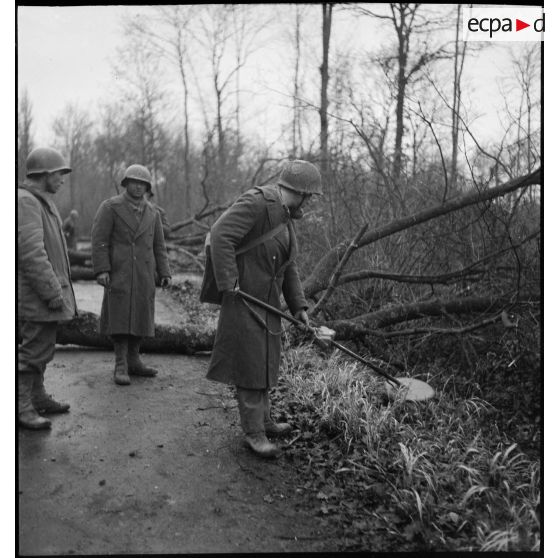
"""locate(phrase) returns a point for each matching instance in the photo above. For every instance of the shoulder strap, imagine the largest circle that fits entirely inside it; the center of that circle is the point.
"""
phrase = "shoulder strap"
(261, 239)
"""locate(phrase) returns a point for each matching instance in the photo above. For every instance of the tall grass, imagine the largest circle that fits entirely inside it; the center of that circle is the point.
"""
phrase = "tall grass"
(450, 473)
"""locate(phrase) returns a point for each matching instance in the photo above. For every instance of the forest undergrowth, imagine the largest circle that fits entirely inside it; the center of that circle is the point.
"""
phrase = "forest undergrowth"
(460, 472)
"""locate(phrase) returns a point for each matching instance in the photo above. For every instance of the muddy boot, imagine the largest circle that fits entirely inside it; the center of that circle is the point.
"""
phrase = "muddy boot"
(274, 428)
(135, 365)
(27, 415)
(43, 402)
(121, 361)
(251, 407)
(261, 446)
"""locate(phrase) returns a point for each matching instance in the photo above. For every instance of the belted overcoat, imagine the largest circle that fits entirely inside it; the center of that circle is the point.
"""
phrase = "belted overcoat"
(43, 268)
(247, 347)
(131, 252)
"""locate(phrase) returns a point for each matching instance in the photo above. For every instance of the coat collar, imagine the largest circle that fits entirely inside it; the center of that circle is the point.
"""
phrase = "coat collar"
(44, 196)
(125, 212)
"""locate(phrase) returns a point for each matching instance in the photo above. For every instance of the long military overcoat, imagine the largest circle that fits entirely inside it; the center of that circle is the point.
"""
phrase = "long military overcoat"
(131, 253)
(247, 347)
(43, 268)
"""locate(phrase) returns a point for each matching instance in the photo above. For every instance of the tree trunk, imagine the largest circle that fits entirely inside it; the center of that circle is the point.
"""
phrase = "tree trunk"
(457, 71)
(187, 186)
(80, 273)
(77, 257)
(346, 329)
(296, 115)
(319, 278)
(324, 69)
(186, 340)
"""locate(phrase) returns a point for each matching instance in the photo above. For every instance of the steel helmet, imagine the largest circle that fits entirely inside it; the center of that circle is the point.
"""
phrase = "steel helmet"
(46, 159)
(137, 172)
(301, 176)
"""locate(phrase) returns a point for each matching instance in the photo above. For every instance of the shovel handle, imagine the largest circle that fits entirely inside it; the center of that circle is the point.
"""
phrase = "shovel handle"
(302, 325)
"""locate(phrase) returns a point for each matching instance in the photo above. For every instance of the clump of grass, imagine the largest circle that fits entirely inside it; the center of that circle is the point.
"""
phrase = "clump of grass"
(453, 480)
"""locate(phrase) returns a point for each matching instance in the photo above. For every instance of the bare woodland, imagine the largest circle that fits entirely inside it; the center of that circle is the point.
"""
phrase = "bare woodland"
(424, 228)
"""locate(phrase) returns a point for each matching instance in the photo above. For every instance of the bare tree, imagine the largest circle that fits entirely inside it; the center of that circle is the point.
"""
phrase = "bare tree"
(172, 42)
(458, 62)
(327, 13)
(24, 133)
(144, 96)
(407, 23)
(73, 130)
(296, 131)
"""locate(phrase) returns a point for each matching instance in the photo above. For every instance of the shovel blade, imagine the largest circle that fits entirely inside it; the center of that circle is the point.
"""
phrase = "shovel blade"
(410, 390)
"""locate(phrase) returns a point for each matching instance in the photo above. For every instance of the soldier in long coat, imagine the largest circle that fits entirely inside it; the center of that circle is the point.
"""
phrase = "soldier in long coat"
(45, 294)
(247, 347)
(128, 249)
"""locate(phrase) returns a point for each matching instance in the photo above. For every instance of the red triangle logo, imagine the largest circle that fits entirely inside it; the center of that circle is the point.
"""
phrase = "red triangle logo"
(519, 25)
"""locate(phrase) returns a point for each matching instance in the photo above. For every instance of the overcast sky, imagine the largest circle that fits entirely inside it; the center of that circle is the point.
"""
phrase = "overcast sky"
(65, 53)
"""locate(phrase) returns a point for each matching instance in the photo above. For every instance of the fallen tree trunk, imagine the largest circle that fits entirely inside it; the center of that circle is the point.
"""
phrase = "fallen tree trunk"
(183, 339)
(392, 315)
(78, 257)
(207, 212)
(78, 273)
(320, 276)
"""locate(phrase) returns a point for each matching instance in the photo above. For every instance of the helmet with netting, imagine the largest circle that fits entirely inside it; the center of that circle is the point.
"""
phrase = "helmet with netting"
(301, 176)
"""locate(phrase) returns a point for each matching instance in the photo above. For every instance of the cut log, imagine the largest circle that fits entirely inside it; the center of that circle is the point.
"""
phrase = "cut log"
(79, 257)
(183, 339)
(80, 273)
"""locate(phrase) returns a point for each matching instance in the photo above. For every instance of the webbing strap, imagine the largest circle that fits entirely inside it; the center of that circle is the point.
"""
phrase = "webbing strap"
(260, 239)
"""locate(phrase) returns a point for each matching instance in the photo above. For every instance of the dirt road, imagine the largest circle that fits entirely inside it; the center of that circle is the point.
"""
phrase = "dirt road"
(154, 467)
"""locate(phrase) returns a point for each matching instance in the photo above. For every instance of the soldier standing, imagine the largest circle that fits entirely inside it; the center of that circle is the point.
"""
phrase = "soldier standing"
(45, 293)
(247, 348)
(128, 249)
(69, 227)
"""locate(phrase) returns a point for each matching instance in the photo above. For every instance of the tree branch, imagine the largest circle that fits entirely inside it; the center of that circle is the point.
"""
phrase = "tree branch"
(337, 272)
(363, 324)
(443, 278)
(329, 260)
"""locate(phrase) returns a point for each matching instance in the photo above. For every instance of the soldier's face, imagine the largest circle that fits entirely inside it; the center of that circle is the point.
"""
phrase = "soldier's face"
(298, 212)
(136, 189)
(54, 181)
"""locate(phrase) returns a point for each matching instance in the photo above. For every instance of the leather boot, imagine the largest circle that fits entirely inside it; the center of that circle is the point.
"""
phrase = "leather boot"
(121, 361)
(33, 421)
(135, 366)
(273, 428)
(261, 446)
(27, 415)
(43, 402)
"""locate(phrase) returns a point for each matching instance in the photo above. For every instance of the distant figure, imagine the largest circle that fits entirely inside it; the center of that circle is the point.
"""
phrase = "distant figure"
(162, 214)
(128, 248)
(70, 229)
(247, 347)
(45, 294)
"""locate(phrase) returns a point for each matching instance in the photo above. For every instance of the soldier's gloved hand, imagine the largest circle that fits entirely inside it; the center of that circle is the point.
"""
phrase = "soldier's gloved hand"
(103, 279)
(165, 282)
(302, 316)
(56, 303)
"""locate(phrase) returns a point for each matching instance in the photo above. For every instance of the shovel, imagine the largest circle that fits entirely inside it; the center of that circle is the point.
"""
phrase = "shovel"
(408, 389)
